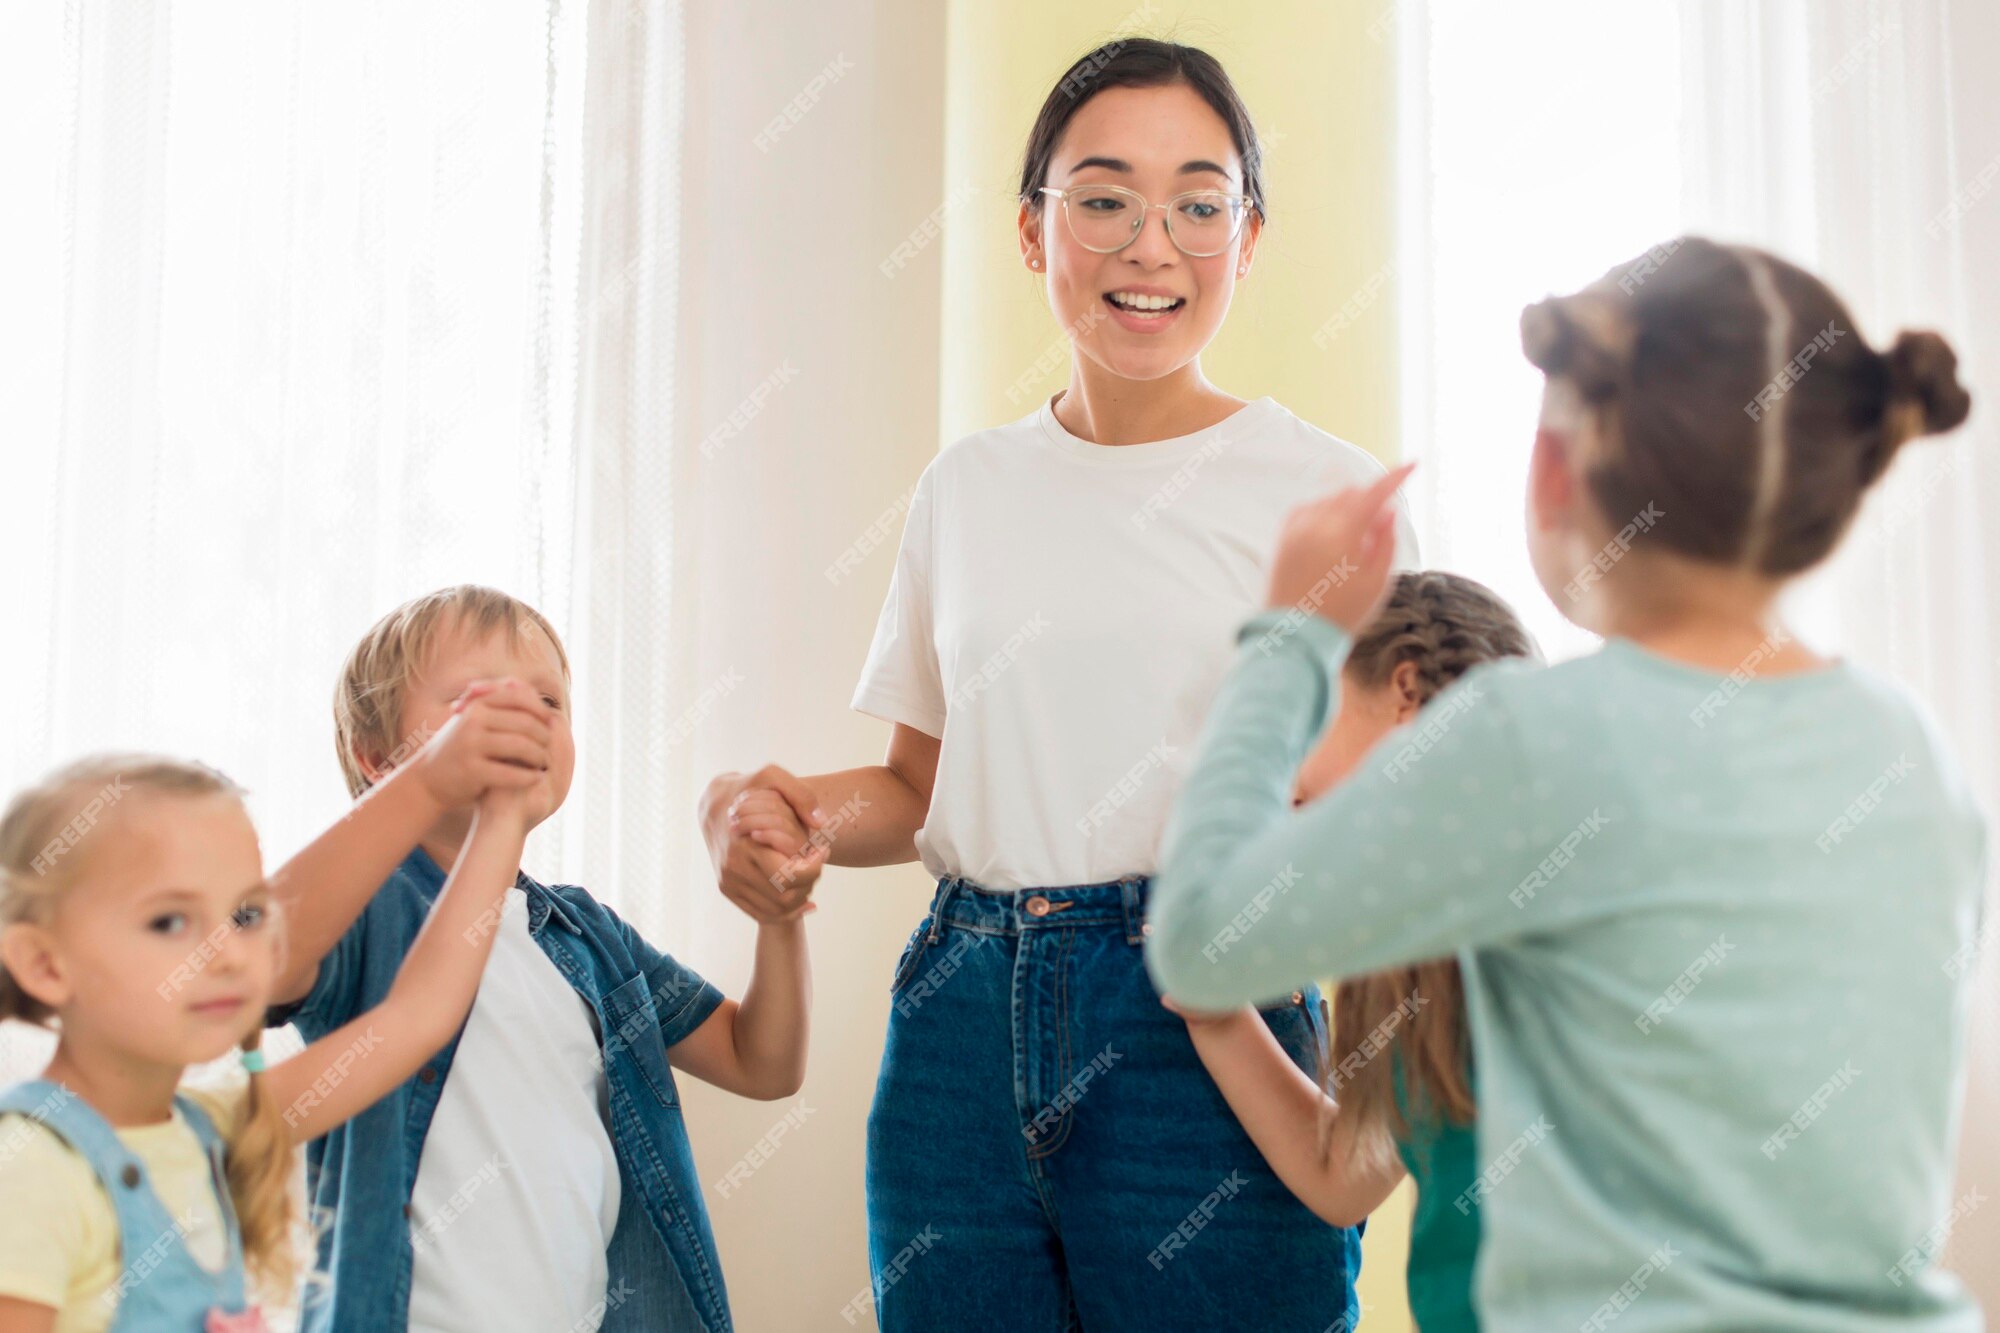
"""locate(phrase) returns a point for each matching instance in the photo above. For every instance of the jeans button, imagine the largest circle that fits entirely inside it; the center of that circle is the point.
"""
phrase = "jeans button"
(1146, 928)
(1038, 906)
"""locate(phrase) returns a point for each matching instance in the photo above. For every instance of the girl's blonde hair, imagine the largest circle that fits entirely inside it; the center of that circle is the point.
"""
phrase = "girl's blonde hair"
(1444, 625)
(45, 838)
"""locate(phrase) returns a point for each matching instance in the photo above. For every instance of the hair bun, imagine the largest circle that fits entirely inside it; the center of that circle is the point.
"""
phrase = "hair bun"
(1923, 384)
(1563, 339)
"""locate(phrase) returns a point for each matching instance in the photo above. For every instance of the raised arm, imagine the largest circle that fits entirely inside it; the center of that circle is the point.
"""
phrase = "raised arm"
(1390, 868)
(349, 1069)
(498, 737)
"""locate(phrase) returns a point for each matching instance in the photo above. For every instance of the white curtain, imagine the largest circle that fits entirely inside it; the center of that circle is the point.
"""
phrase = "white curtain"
(312, 309)
(1863, 141)
(1859, 138)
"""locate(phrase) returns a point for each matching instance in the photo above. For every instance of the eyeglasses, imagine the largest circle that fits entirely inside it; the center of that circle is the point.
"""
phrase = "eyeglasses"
(1107, 218)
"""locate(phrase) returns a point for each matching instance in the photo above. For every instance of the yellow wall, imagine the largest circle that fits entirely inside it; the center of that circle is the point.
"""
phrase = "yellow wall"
(1319, 78)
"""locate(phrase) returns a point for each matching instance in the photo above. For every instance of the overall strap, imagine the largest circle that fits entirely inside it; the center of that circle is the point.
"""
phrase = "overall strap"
(213, 1144)
(70, 1118)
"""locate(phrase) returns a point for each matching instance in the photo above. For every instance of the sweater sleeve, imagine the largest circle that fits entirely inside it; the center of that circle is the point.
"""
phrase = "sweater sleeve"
(1432, 844)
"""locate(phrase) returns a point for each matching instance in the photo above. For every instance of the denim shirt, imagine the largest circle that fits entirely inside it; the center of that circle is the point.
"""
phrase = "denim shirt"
(664, 1271)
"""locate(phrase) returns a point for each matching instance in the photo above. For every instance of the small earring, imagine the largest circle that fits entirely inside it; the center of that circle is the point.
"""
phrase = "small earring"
(1034, 263)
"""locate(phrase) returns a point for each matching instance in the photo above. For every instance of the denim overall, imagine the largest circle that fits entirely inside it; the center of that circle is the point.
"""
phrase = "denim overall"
(161, 1289)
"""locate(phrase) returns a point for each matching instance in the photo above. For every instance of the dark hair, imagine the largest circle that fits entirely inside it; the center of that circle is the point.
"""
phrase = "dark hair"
(1141, 62)
(1731, 390)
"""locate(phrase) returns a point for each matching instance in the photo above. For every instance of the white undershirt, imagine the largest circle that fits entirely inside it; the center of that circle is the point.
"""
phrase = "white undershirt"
(519, 1138)
(1061, 616)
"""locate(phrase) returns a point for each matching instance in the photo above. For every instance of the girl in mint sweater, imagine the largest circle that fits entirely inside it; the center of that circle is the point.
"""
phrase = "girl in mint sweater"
(1711, 891)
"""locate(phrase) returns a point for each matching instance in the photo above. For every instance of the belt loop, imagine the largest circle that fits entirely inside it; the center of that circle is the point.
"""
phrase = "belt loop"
(1135, 909)
(945, 888)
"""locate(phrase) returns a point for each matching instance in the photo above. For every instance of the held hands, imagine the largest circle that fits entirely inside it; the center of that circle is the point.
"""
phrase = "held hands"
(1334, 553)
(497, 738)
(768, 841)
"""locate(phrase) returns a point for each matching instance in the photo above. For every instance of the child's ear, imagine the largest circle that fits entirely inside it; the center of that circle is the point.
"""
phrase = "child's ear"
(1551, 482)
(28, 952)
(370, 765)
(1403, 685)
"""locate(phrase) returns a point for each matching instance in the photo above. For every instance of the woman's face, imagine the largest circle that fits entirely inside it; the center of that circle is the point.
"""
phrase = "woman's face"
(1160, 142)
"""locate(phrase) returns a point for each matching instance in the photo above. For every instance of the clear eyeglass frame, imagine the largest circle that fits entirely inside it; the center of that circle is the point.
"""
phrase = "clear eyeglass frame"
(1239, 204)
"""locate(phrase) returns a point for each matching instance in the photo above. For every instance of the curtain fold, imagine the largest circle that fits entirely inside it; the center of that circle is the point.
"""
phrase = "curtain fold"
(332, 308)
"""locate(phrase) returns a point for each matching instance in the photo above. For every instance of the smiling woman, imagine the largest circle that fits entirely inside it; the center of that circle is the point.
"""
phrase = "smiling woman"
(1043, 1127)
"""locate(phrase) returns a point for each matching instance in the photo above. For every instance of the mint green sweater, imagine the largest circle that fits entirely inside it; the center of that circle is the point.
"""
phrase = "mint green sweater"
(1714, 935)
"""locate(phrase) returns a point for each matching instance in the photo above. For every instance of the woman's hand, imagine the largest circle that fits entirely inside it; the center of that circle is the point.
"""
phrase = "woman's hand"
(769, 879)
(1334, 553)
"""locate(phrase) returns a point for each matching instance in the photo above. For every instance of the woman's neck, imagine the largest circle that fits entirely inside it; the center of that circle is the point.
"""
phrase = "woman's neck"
(125, 1091)
(1109, 409)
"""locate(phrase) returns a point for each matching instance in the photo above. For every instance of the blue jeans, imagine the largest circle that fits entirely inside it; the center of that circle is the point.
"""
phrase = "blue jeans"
(1046, 1151)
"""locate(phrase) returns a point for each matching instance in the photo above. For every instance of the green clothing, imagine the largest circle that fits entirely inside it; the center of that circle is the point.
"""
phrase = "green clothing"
(1712, 929)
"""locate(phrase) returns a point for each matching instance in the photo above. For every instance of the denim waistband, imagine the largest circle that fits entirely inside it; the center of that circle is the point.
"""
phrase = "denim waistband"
(1119, 903)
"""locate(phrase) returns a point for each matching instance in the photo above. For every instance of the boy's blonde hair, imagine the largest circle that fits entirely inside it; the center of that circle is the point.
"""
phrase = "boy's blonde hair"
(45, 837)
(367, 704)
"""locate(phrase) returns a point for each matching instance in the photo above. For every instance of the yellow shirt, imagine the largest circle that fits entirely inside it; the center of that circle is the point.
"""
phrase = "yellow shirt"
(58, 1230)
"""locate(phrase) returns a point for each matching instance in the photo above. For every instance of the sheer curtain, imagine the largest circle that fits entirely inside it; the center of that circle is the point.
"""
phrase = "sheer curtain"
(312, 309)
(1861, 139)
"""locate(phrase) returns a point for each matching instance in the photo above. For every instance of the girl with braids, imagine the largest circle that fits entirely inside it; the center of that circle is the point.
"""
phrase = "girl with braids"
(135, 919)
(1396, 1092)
(1705, 885)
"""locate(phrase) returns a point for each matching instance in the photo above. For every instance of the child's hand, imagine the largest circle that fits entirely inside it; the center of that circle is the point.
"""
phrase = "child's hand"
(498, 736)
(1334, 553)
(771, 853)
(512, 805)
(1202, 1019)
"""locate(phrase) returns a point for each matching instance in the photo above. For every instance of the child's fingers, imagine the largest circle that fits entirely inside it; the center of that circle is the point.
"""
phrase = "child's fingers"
(1377, 493)
(508, 776)
(778, 840)
(476, 690)
(525, 750)
(764, 801)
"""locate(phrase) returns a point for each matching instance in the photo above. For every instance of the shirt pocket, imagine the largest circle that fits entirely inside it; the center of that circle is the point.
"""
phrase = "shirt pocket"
(632, 1035)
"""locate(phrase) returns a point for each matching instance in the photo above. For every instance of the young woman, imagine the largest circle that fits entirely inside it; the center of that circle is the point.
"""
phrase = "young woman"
(1045, 1146)
(1705, 884)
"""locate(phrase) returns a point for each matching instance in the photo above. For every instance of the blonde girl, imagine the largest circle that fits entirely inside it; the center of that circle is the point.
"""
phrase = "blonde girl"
(135, 920)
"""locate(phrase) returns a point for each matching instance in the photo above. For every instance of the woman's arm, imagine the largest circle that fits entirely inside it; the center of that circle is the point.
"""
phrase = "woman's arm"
(757, 824)
(349, 1069)
(758, 1048)
(1280, 1108)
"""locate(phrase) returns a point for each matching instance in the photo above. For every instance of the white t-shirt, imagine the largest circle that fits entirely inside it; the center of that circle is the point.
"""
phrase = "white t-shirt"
(517, 1190)
(1062, 614)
